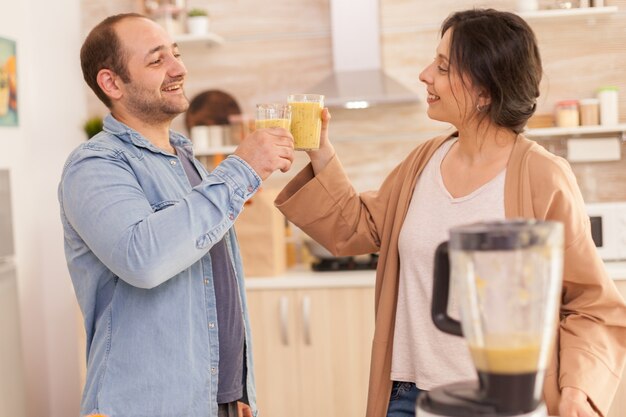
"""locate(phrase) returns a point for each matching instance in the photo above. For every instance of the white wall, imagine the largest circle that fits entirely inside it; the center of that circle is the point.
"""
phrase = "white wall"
(51, 102)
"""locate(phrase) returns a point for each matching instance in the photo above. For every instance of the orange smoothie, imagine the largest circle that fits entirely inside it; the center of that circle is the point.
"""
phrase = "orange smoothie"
(306, 124)
(264, 123)
(506, 360)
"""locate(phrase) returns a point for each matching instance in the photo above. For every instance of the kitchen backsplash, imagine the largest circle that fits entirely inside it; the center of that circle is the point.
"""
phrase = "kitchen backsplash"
(285, 47)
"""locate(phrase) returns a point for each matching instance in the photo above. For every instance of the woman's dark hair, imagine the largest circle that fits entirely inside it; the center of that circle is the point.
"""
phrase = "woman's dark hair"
(498, 52)
(102, 49)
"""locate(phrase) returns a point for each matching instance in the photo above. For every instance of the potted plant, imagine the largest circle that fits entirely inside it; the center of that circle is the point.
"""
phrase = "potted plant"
(198, 21)
(92, 126)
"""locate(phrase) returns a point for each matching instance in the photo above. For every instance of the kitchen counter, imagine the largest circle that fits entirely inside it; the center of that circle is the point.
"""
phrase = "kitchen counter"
(303, 277)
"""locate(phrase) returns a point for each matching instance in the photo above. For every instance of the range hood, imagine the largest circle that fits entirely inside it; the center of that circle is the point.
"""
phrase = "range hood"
(358, 81)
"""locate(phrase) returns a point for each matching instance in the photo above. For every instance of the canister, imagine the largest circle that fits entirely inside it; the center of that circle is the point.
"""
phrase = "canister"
(608, 105)
(566, 113)
(589, 111)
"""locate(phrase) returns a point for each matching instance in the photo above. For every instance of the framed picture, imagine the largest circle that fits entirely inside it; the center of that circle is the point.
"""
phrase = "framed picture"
(8, 83)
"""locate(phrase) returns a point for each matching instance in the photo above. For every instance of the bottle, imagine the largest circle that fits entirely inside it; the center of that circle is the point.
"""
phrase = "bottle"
(567, 113)
(589, 111)
(608, 106)
(527, 5)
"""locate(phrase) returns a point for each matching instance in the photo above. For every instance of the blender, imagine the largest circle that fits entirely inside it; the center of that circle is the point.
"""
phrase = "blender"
(506, 276)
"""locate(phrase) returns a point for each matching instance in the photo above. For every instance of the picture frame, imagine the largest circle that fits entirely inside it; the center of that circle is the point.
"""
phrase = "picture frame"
(8, 83)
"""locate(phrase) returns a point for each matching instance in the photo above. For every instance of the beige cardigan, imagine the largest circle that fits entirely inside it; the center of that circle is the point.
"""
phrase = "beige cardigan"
(592, 333)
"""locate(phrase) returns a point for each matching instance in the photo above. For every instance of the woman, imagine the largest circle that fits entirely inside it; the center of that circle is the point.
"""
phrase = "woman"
(484, 80)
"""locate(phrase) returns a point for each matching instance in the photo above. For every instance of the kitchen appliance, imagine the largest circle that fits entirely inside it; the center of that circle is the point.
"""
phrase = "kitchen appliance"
(506, 276)
(608, 229)
(326, 261)
(358, 79)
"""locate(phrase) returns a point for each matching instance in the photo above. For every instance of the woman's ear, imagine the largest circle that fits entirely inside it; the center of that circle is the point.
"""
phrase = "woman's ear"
(484, 99)
(109, 83)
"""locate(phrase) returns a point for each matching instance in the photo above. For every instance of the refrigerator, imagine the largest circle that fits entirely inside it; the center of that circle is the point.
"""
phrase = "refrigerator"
(12, 392)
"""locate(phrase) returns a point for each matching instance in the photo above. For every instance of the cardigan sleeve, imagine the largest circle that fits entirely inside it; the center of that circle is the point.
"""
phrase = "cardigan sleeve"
(327, 207)
(592, 331)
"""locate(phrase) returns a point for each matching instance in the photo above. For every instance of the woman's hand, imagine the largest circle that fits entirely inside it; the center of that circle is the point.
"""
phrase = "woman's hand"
(574, 403)
(321, 156)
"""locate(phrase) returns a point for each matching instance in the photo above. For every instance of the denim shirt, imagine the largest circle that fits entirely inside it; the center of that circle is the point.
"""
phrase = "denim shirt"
(137, 240)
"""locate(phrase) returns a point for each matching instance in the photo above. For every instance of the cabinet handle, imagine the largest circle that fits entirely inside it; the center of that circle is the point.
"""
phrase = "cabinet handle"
(284, 314)
(306, 318)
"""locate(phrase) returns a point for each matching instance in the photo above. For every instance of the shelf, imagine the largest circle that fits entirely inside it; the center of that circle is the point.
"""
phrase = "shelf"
(210, 39)
(221, 150)
(577, 11)
(573, 131)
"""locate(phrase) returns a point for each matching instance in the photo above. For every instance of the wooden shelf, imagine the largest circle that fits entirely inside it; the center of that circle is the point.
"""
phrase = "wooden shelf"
(574, 131)
(210, 39)
(221, 150)
(574, 12)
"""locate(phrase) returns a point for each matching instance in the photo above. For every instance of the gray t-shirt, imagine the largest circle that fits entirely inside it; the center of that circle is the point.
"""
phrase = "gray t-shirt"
(229, 314)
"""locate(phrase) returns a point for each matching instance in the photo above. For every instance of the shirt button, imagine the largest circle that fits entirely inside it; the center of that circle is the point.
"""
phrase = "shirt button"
(211, 325)
(213, 370)
(206, 281)
(172, 162)
(230, 216)
(250, 188)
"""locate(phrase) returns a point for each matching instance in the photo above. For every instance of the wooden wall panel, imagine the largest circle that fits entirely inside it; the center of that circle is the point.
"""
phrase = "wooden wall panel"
(285, 46)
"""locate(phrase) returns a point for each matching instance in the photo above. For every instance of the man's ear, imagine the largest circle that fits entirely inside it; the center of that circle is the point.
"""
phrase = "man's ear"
(109, 82)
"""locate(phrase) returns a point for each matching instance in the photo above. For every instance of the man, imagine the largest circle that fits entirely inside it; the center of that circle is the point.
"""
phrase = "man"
(148, 240)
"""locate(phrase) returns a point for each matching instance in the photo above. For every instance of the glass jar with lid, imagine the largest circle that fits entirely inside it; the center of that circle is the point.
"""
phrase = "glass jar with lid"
(566, 113)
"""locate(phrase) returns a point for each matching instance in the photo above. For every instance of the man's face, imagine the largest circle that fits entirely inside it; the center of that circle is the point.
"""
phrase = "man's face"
(155, 91)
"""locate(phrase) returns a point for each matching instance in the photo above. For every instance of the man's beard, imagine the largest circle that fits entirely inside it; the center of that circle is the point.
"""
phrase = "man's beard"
(155, 108)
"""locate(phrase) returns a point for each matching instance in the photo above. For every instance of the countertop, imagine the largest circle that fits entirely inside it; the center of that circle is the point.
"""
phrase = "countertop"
(303, 277)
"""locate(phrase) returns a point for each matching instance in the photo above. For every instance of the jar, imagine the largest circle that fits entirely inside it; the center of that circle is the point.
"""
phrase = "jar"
(608, 106)
(527, 5)
(589, 111)
(566, 113)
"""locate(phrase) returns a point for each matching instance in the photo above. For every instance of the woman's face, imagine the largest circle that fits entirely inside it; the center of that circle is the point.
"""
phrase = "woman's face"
(449, 100)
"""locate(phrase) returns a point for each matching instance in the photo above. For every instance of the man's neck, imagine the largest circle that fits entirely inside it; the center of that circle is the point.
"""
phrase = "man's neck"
(158, 133)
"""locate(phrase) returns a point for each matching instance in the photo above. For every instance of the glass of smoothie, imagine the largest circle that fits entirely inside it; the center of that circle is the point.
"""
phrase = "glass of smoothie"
(306, 120)
(272, 115)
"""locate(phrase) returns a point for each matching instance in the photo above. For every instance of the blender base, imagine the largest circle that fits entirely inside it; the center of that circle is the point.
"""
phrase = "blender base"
(457, 400)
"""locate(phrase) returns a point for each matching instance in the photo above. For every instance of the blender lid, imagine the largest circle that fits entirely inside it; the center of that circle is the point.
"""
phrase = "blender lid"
(505, 235)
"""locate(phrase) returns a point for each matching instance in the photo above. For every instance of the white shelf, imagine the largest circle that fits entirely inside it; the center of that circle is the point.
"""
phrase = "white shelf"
(210, 39)
(576, 11)
(571, 131)
(221, 150)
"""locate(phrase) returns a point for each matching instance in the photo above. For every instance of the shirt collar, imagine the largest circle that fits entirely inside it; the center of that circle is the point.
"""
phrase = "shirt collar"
(127, 134)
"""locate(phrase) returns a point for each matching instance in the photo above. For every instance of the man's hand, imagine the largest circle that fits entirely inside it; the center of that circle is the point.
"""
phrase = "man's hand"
(267, 150)
(244, 409)
(574, 403)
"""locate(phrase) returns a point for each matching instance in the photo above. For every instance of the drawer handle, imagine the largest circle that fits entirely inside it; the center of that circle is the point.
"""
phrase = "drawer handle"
(306, 318)
(284, 312)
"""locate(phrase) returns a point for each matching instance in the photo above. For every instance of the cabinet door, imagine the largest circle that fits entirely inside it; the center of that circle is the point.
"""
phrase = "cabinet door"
(312, 359)
(272, 321)
(618, 409)
(337, 326)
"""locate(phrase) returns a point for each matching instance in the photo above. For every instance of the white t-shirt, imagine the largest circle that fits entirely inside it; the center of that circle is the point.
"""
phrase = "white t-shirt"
(421, 353)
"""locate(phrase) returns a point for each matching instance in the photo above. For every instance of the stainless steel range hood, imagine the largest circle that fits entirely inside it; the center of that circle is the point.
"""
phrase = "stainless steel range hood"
(358, 81)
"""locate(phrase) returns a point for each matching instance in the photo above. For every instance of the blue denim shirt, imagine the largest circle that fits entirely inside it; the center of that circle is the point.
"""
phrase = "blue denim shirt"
(137, 240)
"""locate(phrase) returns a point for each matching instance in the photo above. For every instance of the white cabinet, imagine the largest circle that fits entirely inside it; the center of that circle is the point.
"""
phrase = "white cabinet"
(311, 350)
